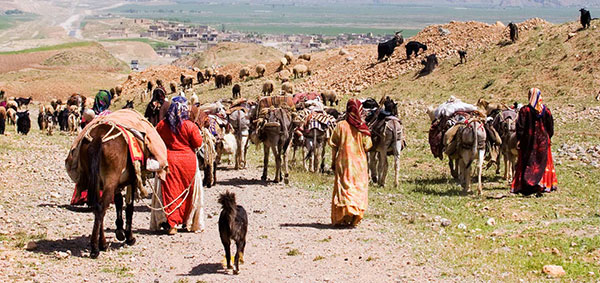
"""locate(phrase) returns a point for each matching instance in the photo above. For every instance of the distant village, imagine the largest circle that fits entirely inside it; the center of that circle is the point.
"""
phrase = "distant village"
(185, 39)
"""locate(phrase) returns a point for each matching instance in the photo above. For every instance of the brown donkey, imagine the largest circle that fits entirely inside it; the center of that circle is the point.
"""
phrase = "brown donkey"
(107, 168)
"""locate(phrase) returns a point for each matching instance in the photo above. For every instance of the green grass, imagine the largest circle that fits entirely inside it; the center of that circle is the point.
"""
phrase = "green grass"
(8, 21)
(20, 239)
(154, 43)
(293, 252)
(50, 48)
(120, 270)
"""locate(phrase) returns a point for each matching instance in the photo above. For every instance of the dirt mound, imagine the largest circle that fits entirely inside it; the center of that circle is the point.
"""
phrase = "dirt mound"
(59, 73)
(230, 53)
(96, 57)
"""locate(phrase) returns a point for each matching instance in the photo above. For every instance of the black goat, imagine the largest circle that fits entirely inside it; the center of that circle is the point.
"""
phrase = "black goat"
(128, 105)
(429, 64)
(585, 18)
(228, 79)
(236, 91)
(200, 77)
(23, 122)
(514, 32)
(63, 119)
(150, 86)
(386, 49)
(463, 56)
(2, 119)
(219, 81)
(21, 101)
(233, 225)
(413, 47)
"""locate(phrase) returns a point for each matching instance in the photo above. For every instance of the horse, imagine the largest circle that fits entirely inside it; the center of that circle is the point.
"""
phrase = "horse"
(106, 168)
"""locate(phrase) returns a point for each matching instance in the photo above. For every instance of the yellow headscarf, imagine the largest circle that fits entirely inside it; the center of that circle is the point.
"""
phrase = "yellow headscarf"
(535, 100)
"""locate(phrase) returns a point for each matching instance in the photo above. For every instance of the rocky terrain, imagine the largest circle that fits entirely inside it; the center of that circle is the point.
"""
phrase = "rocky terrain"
(289, 236)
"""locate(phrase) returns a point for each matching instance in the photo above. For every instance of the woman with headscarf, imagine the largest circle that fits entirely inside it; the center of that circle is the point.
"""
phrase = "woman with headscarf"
(350, 142)
(157, 108)
(182, 138)
(535, 171)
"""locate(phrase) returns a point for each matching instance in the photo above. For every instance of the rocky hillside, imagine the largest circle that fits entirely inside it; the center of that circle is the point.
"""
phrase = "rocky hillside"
(230, 53)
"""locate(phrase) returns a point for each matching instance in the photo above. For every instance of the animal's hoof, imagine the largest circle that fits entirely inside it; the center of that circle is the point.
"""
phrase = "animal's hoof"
(103, 247)
(236, 272)
(130, 242)
(120, 234)
(94, 254)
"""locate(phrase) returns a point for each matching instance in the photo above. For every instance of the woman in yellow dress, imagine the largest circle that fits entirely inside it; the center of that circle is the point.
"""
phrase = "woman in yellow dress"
(350, 142)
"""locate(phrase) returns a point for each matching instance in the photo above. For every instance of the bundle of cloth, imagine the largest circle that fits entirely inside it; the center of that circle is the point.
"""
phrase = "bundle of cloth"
(444, 117)
(134, 124)
(451, 106)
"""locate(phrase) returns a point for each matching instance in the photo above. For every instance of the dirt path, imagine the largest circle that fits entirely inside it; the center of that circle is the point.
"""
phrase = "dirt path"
(289, 237)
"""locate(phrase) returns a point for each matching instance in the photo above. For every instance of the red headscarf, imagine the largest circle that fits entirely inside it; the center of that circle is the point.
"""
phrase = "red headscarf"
(354, 116)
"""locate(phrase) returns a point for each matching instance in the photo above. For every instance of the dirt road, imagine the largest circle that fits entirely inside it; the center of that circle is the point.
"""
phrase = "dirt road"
(289, 236)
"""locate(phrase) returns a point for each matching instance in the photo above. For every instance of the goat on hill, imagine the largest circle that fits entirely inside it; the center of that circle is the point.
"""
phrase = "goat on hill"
(514, 32)
(585, 18)
(414, 47)
(386, 49)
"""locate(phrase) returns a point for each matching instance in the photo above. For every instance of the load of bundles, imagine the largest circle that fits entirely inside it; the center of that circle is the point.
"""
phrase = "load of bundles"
(444, 118)
(273, 113)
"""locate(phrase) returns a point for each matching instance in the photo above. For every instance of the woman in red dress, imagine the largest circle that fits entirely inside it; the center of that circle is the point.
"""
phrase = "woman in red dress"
(182, 138)
(535, 171)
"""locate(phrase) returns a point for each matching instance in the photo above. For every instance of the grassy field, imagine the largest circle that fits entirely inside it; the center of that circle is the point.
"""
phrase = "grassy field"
(50, 48)
(8, 21)
(154, 43)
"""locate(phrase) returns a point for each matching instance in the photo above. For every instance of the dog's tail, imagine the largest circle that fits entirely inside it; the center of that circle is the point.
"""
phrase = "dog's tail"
(227, 201)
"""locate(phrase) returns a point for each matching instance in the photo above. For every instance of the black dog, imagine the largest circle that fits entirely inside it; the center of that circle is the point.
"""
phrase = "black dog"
(233, 224)
(23, 122)
(585, 18)
(413, 47)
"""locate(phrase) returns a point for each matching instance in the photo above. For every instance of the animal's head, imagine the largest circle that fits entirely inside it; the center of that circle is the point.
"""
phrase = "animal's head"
(424, 47)
(482, 103)
(399, 38)
(128, 105)
(582, 10)
(390, 106)
(23, 115)
(431, 112)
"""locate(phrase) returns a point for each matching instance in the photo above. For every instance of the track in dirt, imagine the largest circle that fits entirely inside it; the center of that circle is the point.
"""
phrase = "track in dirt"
(289, 236)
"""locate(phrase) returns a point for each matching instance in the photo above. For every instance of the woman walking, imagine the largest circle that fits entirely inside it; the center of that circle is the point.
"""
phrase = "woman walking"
(179, 192)
(535, 171)
(350, 142)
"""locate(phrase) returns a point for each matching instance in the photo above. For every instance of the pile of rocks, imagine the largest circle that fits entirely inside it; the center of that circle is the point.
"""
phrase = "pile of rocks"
(587, 154)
